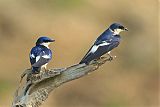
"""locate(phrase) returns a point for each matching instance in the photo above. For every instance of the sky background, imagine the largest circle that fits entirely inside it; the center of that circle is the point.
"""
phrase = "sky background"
(131, 80)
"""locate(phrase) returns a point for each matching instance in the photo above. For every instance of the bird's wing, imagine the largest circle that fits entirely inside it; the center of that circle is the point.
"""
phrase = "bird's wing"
(95, 47)
(86, 54)
(102, 49)
(40, 56)
(35, 51)
(98, 49)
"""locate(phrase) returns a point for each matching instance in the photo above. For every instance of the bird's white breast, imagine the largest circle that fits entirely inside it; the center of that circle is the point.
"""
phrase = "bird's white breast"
(46, 44)
(117, 31)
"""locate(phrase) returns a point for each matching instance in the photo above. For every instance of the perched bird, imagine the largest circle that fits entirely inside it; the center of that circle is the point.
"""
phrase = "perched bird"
(107, 41)
(40, 55)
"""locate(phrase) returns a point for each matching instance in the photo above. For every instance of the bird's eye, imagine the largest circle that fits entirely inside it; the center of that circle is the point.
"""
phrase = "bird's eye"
(121, 27)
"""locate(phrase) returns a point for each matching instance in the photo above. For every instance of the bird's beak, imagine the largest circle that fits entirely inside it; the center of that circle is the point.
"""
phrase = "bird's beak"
(125, 29)
(52, 40)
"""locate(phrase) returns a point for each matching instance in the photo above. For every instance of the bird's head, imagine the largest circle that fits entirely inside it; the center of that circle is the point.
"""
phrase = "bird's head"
(45, 41)
(117, 28)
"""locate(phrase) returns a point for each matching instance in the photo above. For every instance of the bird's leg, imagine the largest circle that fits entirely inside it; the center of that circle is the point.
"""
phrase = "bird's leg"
(44, 67)
(110, 56)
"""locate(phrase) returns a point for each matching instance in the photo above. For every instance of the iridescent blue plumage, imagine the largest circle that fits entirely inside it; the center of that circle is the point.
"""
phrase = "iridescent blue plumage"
(107, 41)
(40, 55)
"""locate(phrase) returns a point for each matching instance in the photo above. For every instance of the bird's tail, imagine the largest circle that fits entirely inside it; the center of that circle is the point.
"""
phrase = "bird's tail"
(85, 58)
(84, 61)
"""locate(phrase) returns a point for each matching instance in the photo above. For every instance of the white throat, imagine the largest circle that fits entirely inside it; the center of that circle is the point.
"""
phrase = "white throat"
(116, 31)
(45, 44)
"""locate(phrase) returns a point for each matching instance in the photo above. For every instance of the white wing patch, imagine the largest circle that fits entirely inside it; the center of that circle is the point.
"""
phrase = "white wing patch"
(103, 44)
(37, 58)
(46, 56)
(32, 56)
(95, 47)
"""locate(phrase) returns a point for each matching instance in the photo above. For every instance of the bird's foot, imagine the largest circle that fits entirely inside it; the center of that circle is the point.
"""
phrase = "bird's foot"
(44, 69)
(111, 58)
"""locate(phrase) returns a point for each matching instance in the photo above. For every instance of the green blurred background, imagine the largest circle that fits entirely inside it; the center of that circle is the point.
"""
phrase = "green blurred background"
(131, 80)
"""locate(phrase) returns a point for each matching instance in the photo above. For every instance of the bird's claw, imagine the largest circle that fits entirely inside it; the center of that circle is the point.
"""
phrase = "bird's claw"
(111, 58)
(46, 70)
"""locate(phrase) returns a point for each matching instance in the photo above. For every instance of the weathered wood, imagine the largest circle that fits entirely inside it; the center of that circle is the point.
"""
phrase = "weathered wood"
(37, 87)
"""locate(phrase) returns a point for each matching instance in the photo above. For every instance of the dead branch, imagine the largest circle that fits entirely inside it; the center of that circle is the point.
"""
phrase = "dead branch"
(37, 87)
